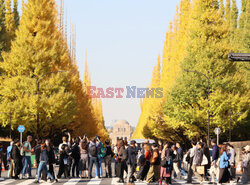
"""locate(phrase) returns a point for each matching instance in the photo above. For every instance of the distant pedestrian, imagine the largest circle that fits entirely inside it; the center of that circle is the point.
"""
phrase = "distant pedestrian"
(108, 159)
(43, 164)
(189, 159)
(214, 169)
(121, 165)
(93, 159)
(17, 158)
(27, 152)
(154, 170)
(37, 151)
(10, 160)
(224, 175)
(176, 161)
(197, 160)
(231, 156)
(1, 157)
(51, 157)
(84, 161)
(180, 152)
(75, 157)
(246, 165)
(131, 161)
(166, 164)
(208, 158)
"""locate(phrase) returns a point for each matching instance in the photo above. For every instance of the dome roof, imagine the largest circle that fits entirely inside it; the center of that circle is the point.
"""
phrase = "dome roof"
(121, 122)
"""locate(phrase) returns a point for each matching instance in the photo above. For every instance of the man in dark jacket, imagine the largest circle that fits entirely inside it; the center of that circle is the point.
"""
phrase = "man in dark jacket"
(76, 157)
(17, 158)
(108, 159)
(131, 161)
(215, 155)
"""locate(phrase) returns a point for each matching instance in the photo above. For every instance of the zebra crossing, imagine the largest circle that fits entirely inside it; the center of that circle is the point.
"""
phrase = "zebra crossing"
(79, 181)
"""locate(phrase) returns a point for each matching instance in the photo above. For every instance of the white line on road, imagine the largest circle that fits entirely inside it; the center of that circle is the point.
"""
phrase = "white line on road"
(72, 181)
(8, 181)
(94, 181)
(114, 181)
(26, 182)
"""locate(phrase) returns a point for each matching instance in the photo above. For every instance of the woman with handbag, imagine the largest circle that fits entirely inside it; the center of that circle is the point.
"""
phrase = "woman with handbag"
(224, 175)
(166, 164)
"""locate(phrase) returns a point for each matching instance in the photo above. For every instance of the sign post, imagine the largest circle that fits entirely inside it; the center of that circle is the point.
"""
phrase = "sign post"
(21, 129)
(217, 132)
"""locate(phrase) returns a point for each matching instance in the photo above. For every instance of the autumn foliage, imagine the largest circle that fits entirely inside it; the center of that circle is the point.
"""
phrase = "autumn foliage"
(196, 76)
(40, 85)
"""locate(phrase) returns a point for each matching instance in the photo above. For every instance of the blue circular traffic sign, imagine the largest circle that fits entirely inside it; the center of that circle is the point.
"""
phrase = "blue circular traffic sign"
(21, 128)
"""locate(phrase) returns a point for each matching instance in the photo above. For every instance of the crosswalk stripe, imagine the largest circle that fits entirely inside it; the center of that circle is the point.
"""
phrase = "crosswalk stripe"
(94, 181)
(114, 181)
(7, 181)
(72, 181)
(26, 182)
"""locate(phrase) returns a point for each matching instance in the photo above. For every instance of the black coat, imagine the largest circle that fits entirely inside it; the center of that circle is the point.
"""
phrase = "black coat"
(16, 153)
(132, 153)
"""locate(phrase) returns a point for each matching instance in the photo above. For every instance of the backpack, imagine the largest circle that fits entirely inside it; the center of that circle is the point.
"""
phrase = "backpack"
(141, 160)
(167, 162)
(103, 151)
(93, 151)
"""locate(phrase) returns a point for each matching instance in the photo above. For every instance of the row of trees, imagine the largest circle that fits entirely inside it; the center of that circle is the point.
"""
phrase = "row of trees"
(40, 86)
(201, 87)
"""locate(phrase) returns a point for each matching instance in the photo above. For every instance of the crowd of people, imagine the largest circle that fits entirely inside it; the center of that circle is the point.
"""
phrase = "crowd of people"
(158, 162)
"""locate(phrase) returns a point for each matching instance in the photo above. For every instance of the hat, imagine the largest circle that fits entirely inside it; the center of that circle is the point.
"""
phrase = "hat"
(247, 148)
(132, 142)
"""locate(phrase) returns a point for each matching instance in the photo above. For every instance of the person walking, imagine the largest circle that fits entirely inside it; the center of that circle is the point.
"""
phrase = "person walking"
(214, 169)
(43, 164)
(108, 159)
(231, 156)
(75, 157)
(224, 175)
(64, 161)
(10, 161)
(100, 156)
(93, 159)
(18, 165)
(131, 161)
(1, 157)
(197, 160)
(121, 165)
(176, 161)
(27, 152)
(246, 165)
(51, 157)
(84, 161)
(167, 156)
(180, 152)
(189, 159)
(37, 151)
(154, 170)
(208, 157)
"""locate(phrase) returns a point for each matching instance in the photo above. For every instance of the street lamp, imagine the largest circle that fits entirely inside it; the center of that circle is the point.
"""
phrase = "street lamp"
(208, 94)
(240, 57)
